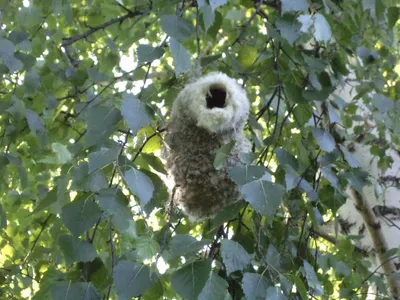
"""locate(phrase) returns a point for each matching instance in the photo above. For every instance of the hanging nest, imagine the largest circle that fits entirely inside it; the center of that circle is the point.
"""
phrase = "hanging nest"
(206, 115)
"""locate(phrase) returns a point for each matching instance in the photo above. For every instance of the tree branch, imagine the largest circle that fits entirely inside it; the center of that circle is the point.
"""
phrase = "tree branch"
(378, 240)
(331, 239)
(248, 22)
(129, 15)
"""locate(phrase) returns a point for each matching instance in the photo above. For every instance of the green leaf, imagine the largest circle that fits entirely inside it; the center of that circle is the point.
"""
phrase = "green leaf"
(182, 244)
(391, 252)
(369, 5)
(176, 27)
(222, 154)
(32, 81)
(23, 176)
(349, 157)
(27, 59)
(17, 110)
(216, 288)
(208, 16)
(273, 258)
(29, 17)
(339, 64)
(325, 141)
(286, 158)
(290, 5)
(57, 7)
(312, 279)
(303, 113)
(235, 257)
(76, 250)
(62, 155)
(330, 176)
(115, 203)
(190, 280)
(3, 218)
(213, 30)
(245, 174)
(254, 286)
(181, 57)
(67, 290)
(265, 197)
(101, 121)
(393, 16)
(300, 286)
(35, 123)
(154, 162)
(382, 103)
(140, 185)
(103, 157)
(79, 215)
(147, 53)
(206, 60)
(134, 113)
(275, 293)
(322, 29)
(96, 182)
(341, 268)
(147, 247)
(217, 3)
(156, 291)
(49, 199)
(306, 22)
(286, 285)
(368, 56)
(288, 30)
(25, 45)
(13, 64)
(226, 214)
(18, 37)
(6, 48)
(357, 178)
(201, 3)
(318, 95)
(96, 76)
(131, 279)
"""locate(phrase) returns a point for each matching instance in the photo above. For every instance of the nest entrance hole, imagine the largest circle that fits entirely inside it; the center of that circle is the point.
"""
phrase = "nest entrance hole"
(216, 97)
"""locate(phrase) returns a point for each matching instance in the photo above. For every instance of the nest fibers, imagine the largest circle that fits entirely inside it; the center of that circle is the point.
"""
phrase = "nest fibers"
(207, 114)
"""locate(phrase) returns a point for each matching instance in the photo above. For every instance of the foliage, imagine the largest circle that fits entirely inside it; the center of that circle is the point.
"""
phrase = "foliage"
(85, 94)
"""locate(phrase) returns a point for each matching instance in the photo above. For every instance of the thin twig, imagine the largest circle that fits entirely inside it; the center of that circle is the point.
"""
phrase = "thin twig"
(112, 250)
(37, 238)
(146, 141)
(373, 272)
(198, 33)
(214, 245)
(87, 104)
(266, 106)
(169, 214)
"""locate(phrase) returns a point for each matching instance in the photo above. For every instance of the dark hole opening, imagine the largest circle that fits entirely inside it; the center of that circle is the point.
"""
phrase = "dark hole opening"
(216, 97)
